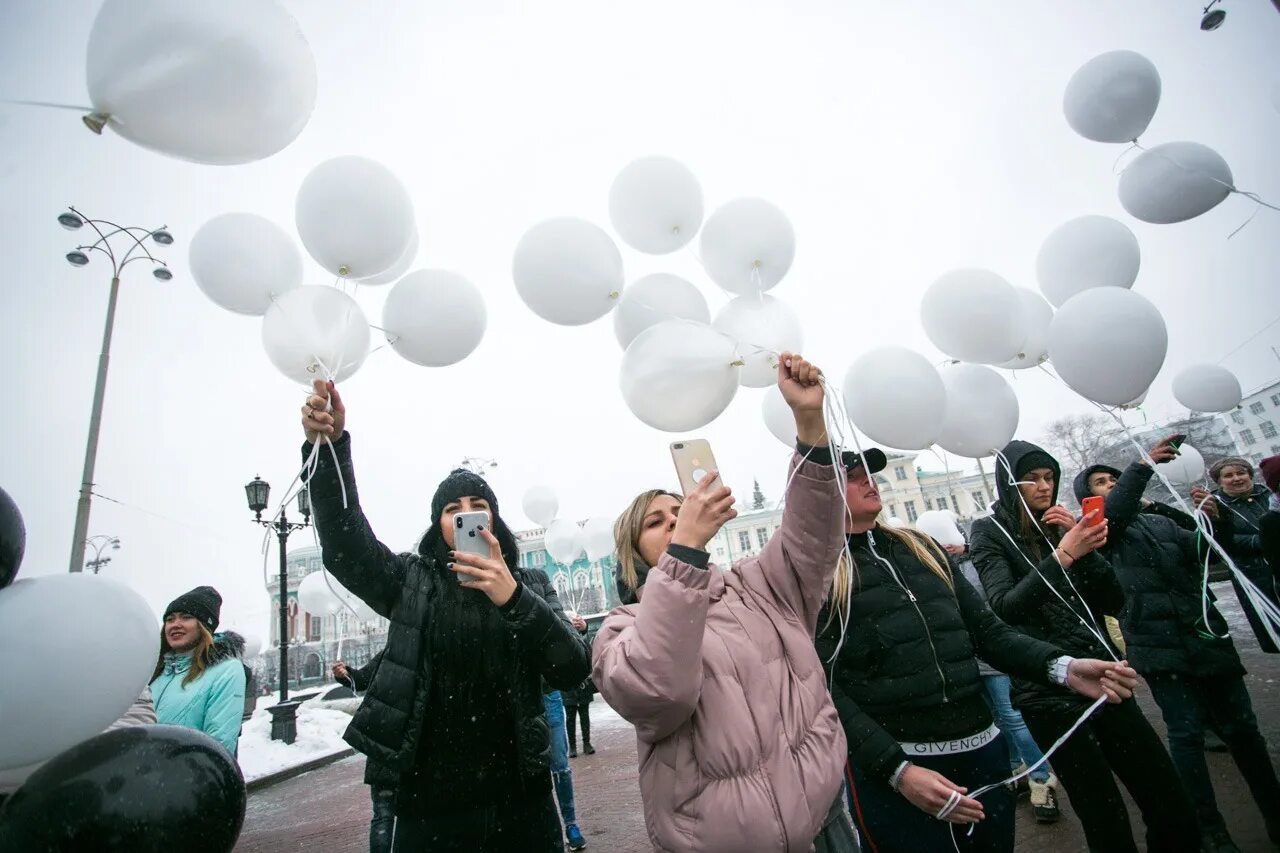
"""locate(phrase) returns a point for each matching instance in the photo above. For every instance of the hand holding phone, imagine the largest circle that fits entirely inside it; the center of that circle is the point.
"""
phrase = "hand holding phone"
(693, 460)
(466, 535)
(1167, 450)
(1093, 504)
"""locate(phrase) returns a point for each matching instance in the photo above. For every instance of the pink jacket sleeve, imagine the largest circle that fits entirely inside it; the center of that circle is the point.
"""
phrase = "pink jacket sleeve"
(647, 658)
(796, 566)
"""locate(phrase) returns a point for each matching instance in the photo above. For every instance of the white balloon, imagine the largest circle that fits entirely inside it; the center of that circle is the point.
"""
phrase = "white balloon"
(1136, 401)
(982, 411)
(655, 205)
(434, 317)
(1186, 469)
(63, 686)
(241, 261)
(315, 332)
(655, 298)
(973, 315)
(941, 525)
(1112, 97)
(400, 267)
(1089, 251)
(568, 271)
(252, 643)
(597, 538)
(678, 376)
(1207, 388)
(350, 603)
(896, 397)
(778, 416)
(540, 504)
(748, 245)
(760, 325)
(563, 541)
(1035, 316)
(1175, 182)
(221, 83)
(315, 597)
(894, 521)
(1108, 344)
(354, 216)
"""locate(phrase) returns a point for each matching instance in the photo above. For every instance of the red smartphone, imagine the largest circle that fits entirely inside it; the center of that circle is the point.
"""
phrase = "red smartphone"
(1090, 504)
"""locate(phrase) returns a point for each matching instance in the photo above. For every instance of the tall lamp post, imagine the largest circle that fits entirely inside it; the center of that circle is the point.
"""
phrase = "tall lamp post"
(130, 240)
(284, 716)
(99, 544)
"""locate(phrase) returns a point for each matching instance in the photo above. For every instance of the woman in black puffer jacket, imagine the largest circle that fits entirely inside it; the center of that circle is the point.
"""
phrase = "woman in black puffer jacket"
(1059, 591)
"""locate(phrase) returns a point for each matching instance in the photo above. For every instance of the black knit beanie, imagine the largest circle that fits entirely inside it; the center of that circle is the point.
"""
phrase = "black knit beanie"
(203, 602)
(461, 483)
(1033, 460)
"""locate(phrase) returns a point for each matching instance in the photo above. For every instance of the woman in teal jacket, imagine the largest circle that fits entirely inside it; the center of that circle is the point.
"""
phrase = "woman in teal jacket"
(199, 678)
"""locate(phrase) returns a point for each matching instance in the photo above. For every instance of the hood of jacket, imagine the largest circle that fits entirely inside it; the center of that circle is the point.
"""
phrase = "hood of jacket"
(1006, 466)
(1080, 485)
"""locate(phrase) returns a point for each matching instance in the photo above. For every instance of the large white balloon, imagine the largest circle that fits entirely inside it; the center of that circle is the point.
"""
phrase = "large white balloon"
(655, 298)
(351, 603)
(354, 216)
(568, 271)
(973, 315)
(1136, 401)
(1035, 316)
(760, 326)
(252, 643)
(1186, 469)
(1108, 344)
(226, 82)
(678, 376)
(655, 205)
(778, 416)
(315, 332)
(315, 597)
(597, 538)
(982, 411)
(540, 504)
(62, 685)
(1207, 388)
(1089, 251)
(434, 317)
(1112, 97)
(1175, 182)
(748, 245)
(400, 267)
(241, 261)
(896, 397)
(563, 541)
(941, 525)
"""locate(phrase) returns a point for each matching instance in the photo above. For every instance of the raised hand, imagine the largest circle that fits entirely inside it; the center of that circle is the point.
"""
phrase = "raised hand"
(1163, 451)
(1201, 499)
(798, 382)
(930, 791)
(488, 574)
(1097, 678)
(319, 418)
(705, 510)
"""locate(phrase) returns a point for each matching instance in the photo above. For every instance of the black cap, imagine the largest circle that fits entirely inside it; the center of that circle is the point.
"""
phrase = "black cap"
(203, 602)
(873, 458)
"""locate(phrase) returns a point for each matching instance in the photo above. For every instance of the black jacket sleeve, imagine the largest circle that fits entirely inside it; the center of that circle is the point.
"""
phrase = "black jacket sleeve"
(1013, 596)
(999, 645)
(357, 559)
(537, 620)
(874, 750)
(362, 676)
(1174, 514)
(1124, 502)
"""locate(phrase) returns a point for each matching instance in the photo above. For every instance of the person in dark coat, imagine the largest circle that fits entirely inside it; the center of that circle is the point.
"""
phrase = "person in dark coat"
(1247, 502)
(1179, 642)
(455, 706)
(1043, 576)
(1269, 524)
(900, 639)
(577, 702)
(380, 778)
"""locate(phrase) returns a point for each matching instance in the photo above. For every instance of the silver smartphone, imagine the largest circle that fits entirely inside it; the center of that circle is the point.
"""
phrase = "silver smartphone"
(467, 538)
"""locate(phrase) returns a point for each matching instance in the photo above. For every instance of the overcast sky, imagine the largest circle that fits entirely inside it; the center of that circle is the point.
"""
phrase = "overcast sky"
(903, 139)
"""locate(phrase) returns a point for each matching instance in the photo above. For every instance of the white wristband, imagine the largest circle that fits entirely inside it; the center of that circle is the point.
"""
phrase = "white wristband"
(896, 778)
(1058, 669)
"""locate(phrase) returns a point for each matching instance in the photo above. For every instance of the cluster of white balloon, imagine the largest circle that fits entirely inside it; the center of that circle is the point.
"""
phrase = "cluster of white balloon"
(565, 539)
(681, 368)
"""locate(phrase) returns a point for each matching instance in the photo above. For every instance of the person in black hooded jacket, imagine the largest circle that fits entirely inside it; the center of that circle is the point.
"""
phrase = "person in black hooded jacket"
(1179, 642)
(1043, 575)
(455, 707)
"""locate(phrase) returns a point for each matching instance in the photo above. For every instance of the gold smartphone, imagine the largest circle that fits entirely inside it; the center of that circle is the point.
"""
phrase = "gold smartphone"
(694, 460)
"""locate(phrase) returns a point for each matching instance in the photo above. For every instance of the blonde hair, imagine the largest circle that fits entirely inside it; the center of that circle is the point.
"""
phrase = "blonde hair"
(626, 534)
(922, 547)
(200, 655)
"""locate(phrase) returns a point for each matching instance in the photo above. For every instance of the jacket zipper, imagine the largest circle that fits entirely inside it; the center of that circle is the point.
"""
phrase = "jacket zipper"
(923, 623)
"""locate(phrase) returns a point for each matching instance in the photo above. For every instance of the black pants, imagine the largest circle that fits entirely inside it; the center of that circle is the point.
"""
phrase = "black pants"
(1118, 739)
(383, 824)
(529, 826)
(1189, 704)
(582, 712)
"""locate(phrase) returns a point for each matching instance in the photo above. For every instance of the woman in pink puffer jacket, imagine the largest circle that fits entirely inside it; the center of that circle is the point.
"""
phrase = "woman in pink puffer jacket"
(740, 746)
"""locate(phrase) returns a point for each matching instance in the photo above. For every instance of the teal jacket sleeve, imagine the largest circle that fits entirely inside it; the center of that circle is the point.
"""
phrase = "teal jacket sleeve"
(224, 704)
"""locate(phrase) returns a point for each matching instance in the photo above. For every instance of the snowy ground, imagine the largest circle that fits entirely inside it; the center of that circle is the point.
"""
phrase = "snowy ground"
(320, 728)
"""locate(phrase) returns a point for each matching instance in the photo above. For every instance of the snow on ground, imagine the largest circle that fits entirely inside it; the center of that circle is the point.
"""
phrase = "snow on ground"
(320, 728)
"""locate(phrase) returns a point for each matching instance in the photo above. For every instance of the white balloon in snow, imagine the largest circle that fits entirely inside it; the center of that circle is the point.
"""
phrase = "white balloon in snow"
(1112, 97)
(241, 260)
(563, 541)
(434, 317)
(59, 689)
(315, 597)
(678, 376)
(400, 267)
(1089, 251)
(1108, 344)
(760, 325)
(1035, 316)
(982, 411)
(653, 299)
(1175, 182)
(1207, 388)
(973, 315)
(315, 332)
(597, 538)
(748, 245)
(896, 397)
(568, 271)
(655, 205)
(354, 216)
(778, 416)
(940, 524)
(220, 83)
(1186, 469)
(540, 504)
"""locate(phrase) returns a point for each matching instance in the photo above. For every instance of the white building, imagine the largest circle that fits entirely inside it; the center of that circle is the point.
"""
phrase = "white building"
(1255, 426)
(586, 587)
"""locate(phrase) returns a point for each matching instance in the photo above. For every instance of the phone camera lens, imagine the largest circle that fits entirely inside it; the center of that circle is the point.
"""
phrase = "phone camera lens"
(678, 446)
(458, 522)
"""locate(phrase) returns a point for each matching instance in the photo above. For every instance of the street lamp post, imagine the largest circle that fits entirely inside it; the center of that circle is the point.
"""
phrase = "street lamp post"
(99, 543)
(284, 719)
(134, 249)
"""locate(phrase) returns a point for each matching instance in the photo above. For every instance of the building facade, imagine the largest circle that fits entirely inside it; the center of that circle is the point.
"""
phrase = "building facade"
(1255, 425)
(586, 587)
